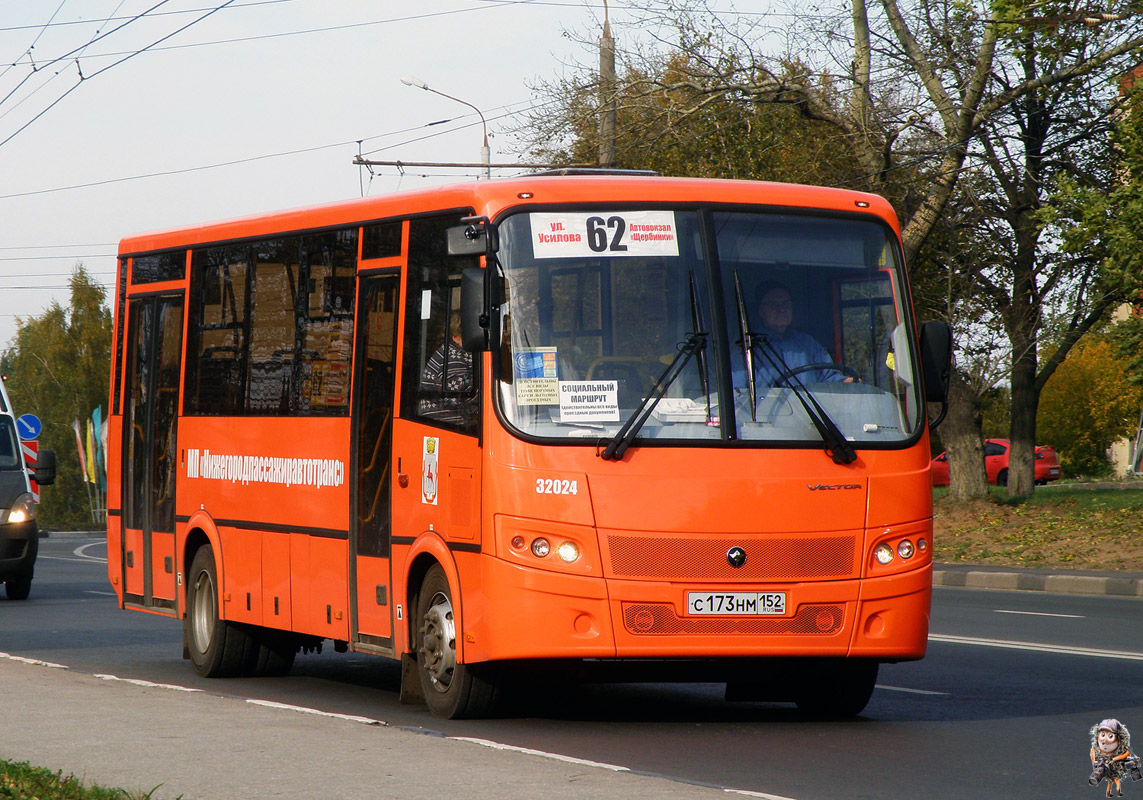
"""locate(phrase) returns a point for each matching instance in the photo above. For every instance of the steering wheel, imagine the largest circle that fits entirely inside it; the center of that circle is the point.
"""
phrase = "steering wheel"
(824, 365)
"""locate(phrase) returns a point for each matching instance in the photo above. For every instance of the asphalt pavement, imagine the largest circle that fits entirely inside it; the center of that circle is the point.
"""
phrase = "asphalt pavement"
(139, 736)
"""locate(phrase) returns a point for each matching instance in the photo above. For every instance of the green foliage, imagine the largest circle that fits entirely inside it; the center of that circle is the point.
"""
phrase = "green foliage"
(1086, 405)
(58, 368)
(20, 781)
(996, 409)
(698, 130)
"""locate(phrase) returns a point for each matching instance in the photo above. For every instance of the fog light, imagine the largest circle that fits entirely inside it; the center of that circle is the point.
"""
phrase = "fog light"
(905, 549)
(883, 553)
(922, 545)
(568, 552)
(517, 542)
(541, 547)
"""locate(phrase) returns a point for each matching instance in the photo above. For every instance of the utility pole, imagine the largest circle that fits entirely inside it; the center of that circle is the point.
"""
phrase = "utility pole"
(607, 98)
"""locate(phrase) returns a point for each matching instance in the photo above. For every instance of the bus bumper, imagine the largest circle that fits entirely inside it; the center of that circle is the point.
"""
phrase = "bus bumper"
(535, 614)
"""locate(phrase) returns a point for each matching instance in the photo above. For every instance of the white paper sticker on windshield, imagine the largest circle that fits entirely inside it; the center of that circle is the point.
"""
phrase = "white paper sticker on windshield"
(607, 233)
(589, 401)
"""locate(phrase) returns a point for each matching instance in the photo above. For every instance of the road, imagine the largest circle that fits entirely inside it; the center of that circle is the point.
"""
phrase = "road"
(1002, 703)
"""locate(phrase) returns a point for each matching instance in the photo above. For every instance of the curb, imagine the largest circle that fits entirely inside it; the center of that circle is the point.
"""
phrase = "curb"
(1128, 585)
(73, 534)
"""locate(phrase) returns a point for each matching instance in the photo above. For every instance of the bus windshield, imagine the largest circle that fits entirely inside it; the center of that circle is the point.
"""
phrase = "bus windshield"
(783, 319)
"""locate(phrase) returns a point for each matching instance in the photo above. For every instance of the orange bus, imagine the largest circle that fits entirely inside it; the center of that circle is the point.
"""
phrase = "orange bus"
(621, 427)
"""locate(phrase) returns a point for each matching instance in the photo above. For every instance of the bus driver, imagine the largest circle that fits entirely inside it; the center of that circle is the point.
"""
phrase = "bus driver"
(797, 349)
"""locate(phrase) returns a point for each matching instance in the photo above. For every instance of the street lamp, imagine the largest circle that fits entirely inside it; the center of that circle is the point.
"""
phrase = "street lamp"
(409, 80)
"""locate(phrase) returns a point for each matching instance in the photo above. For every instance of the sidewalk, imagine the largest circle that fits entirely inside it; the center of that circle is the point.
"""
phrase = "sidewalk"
(200, 746)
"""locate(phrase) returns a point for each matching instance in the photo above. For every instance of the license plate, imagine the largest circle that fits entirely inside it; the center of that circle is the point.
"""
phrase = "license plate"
(739, 604)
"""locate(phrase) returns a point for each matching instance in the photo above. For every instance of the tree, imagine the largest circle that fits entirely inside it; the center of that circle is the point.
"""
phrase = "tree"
(717, 136)
(58, 368)
(1086, 406)
(918, 94)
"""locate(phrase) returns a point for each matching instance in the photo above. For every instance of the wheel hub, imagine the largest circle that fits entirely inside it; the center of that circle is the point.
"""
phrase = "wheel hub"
(438, 642)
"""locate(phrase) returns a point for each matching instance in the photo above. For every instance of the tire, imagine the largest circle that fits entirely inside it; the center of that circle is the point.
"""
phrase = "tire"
(276, 653)
(218, 649)
(836, 687)
(18, 588)
(1002, 478)
(452, 690)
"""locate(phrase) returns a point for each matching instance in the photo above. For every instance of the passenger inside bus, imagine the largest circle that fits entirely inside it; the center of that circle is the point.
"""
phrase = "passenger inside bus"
(446, 382)
(796, 348)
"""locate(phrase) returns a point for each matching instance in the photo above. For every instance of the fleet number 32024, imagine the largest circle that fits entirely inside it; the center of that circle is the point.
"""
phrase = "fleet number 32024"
(556, 486)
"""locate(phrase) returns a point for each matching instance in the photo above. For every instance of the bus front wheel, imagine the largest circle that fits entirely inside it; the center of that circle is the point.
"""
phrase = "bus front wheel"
(452, 690)
(836, 687)
(217, 648)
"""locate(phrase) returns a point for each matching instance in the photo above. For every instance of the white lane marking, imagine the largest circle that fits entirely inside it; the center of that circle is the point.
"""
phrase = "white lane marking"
(911, 691)
(80, 555)
(33, 661)
(146, 684)
(382, 723)
(105, 594)
(304, 710)
(79, 551)
(1038, 613)
(1037, 647)
(543, 754)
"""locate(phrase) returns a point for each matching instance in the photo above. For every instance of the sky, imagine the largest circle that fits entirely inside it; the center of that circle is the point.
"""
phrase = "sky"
(184, 116)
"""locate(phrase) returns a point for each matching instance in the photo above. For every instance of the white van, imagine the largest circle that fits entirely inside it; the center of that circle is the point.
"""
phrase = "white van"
(19, 534)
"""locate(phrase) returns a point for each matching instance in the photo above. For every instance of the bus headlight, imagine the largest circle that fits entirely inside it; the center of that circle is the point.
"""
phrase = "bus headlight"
(883, 553)
(23, 510)
(545, 544)
(905, 549)
(568, 552)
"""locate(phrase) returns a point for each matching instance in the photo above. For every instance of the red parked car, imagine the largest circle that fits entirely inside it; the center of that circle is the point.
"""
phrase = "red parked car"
(996, 464)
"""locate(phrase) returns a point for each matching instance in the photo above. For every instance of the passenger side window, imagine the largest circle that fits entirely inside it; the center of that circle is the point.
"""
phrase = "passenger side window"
(440, 382)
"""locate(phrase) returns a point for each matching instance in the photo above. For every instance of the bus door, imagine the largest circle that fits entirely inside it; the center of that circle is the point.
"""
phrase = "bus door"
(154, 365)
(371, 525)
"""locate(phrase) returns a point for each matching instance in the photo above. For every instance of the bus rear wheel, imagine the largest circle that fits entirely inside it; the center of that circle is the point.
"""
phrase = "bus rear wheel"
(452, 690)
(217, 648)
(836, 687)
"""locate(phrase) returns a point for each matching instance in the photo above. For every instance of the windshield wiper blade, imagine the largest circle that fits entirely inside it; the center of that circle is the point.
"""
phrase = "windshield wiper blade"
(749, 339)
(836, 445)
(619, 443)
(700, 356)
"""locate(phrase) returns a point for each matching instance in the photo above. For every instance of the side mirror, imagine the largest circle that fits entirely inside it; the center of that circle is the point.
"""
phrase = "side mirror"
(473, 314)
(45, 471)
(466, 240)
(936, 360)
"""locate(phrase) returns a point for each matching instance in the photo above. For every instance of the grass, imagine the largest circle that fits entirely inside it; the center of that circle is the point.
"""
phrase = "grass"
(20, 781)
(1070, 527)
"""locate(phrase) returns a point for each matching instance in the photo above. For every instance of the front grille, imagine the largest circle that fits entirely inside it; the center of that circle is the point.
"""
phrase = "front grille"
(650, 619)
(13, 548)
(784, 558)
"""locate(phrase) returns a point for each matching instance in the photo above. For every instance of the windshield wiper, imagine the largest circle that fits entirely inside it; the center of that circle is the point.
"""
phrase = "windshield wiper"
(700, 356)
(748, 340)
(619, 443)
(836, 445)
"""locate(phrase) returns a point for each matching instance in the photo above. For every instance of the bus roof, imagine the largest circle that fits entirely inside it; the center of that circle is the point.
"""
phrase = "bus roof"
(490, 198)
